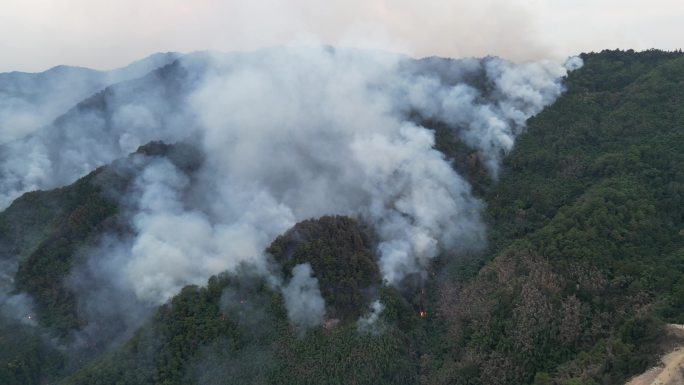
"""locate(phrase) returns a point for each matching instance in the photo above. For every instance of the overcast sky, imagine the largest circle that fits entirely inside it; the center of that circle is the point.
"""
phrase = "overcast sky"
(103, 34)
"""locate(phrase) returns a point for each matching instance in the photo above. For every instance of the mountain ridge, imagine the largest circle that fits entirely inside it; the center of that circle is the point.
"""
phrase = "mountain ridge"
(29, 101)
(583, 266)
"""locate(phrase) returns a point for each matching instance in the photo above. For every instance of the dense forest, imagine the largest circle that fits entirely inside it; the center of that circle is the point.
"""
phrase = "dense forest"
(584, 266)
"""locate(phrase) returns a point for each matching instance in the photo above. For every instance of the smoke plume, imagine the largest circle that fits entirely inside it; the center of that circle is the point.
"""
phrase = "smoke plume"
(305, 306)
(369, 322)
(15, 306)
(287, 134)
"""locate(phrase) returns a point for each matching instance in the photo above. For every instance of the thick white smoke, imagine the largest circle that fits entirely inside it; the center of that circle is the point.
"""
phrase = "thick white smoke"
(490, 122)
(305, 306)
(107, 126)
(369, 322)
(290, 134)
(176, 246)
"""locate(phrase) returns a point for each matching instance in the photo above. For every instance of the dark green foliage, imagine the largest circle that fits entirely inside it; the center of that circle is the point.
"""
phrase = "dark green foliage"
(44, 229)
(597, 132)
(28, 220)
(25, 358)
(341, 256)
(584, 267)
(614, 220)
(235, 331)
(586, 228)
(466, 161)
(47, 229)
(183, 155)
(43, 232)
(343, 356)
(168, 347)
(41, 273)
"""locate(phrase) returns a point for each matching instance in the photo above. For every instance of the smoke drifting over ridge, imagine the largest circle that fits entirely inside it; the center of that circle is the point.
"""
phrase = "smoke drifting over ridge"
(288, 134)
(29, 101)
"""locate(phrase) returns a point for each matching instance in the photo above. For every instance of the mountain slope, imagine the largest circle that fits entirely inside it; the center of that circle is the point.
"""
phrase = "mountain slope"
(585, 264)
(586, 234)
(29, 101)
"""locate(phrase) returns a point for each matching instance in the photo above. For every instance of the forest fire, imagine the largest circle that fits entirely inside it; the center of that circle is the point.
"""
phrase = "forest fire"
(421, 300)
(330, 323)
(27, 319)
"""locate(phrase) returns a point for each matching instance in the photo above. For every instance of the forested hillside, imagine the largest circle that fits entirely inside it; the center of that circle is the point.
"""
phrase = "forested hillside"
(584, 266)
(586, 239)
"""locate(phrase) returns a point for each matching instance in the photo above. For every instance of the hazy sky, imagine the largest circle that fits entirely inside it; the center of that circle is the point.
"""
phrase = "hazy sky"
(38, 34)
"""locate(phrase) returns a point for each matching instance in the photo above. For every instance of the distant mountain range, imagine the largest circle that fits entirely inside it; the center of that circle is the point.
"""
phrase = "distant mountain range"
(29, 101)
